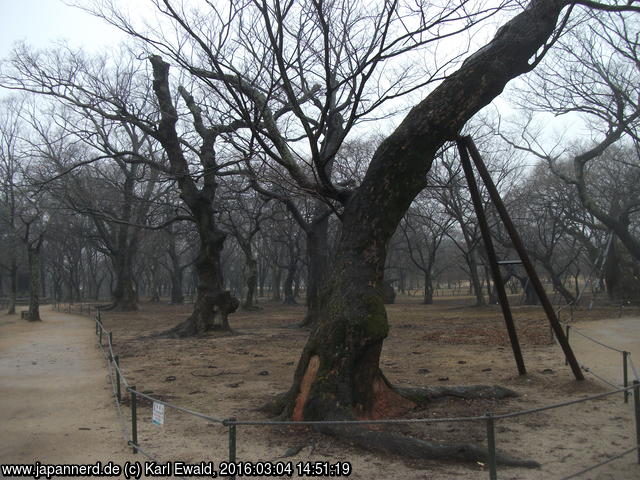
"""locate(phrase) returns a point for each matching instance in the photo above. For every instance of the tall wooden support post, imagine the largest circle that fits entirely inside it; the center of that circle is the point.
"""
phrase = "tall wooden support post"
(493, 259)
(519, 246)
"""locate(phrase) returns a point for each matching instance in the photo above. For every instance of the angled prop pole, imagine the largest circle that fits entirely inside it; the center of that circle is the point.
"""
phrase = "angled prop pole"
(519, 246)
(491, 254)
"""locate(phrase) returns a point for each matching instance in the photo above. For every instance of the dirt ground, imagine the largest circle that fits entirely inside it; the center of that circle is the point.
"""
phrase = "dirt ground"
(443, 344)
(234, 375)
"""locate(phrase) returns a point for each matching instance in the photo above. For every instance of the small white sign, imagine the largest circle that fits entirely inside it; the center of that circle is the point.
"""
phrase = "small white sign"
(158, 414)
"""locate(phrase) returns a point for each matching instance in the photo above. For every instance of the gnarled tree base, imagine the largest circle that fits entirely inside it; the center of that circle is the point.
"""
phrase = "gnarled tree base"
(121, 307)
(209, 315)
(414, 448)
(405, 446)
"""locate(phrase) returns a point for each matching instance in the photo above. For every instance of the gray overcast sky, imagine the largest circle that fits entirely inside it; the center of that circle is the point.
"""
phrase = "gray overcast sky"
(41, 22)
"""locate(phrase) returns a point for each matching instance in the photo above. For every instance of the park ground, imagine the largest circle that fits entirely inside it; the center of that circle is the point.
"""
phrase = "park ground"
(56, 406)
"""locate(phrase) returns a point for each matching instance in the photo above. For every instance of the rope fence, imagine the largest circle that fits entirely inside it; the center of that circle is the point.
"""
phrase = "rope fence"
(130, 435)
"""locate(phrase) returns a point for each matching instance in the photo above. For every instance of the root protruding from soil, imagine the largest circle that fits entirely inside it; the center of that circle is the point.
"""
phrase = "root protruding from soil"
(423, 395)
(414, 448)
(403, 445)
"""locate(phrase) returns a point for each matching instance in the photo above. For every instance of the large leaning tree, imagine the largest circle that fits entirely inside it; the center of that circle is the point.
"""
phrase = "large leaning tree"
(266, 57)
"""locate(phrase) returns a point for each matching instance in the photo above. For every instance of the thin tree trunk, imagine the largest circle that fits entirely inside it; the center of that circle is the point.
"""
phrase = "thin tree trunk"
(33, 255)
(428, 288)
(13, 285)
(251, 268)
(276, 280)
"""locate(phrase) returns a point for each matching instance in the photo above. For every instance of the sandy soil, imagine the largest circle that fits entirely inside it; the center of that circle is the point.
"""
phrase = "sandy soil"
(55, 404)
(234, 375)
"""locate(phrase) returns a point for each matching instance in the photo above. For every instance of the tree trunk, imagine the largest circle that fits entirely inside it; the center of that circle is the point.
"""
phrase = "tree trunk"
(33, 255)
(557, 283)
(289, 297)
(177, 298)
(428, 289)
(276, 280)
(123, 295)
(621, 274)
(318, 264)
(338, 371)
(474, 278)
(338, 374)
(13, 285)
(251, 269)
(213, 304)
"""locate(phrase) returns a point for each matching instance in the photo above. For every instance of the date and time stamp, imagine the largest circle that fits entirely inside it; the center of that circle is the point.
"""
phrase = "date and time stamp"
(136, 470)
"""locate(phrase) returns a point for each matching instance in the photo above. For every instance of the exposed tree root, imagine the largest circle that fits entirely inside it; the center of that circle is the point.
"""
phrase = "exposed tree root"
(409, 447)
(422, 395)
(210, 315)
(120, 307)
(189, 329)
(406, 446)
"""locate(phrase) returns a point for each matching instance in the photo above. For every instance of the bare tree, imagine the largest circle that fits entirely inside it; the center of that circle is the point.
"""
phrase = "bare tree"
(424, 227)
(592, 73)
(338, 375)
(10, 153)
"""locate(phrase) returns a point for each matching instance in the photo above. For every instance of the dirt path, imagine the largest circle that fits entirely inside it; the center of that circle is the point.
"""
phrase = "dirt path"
(55, 403)
(620, 333)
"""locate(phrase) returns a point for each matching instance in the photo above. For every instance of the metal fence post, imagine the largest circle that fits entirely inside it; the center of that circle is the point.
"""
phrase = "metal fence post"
(636, 401)
(491, 447)
(111, 338)
(116, 360)
(625, 375)
(134, 418)
(232, 443)
(100, 332)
